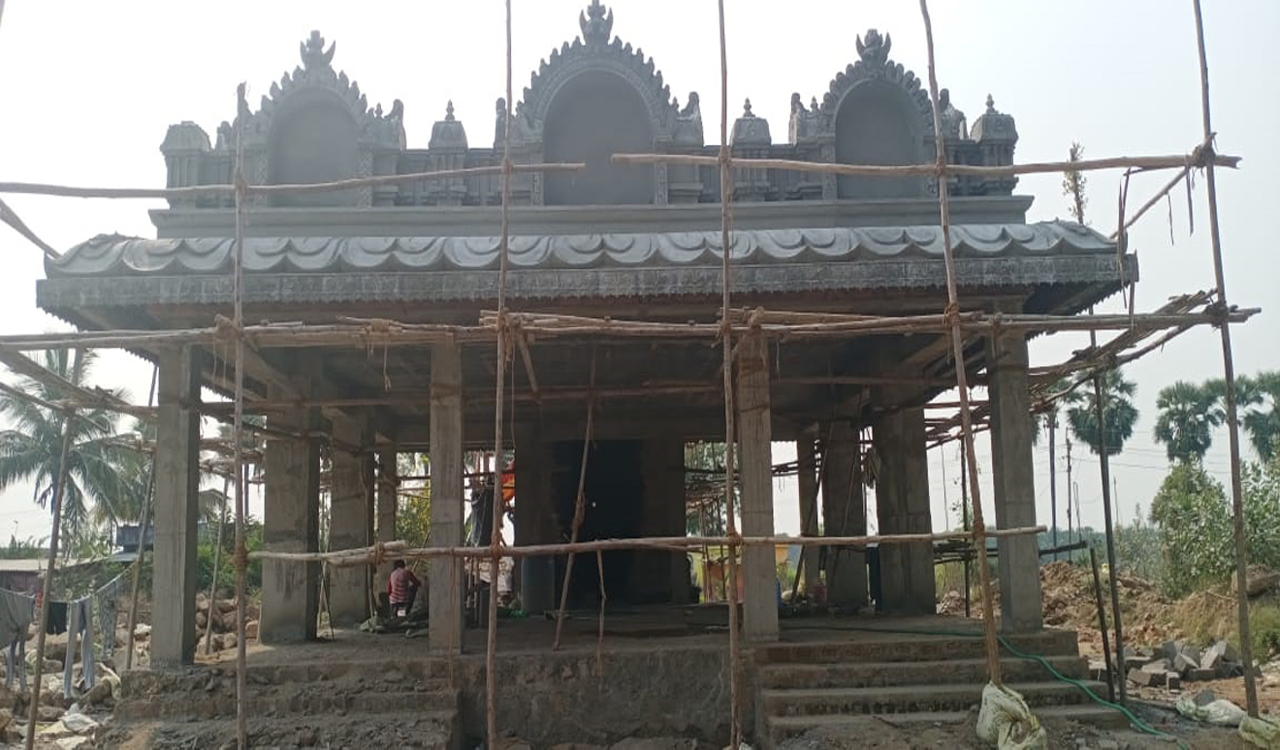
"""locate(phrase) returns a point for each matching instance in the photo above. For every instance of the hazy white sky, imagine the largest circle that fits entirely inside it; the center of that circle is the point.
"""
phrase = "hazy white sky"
(90, 87)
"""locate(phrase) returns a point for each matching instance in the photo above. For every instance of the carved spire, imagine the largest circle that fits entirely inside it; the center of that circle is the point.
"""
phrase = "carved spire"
(448, 111)
(875, 51)
(746, 108)
(596, 24)
(314, 55)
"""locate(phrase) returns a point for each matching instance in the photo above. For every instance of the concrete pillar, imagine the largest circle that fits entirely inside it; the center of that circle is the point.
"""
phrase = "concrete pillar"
(291, 523)
(350, 521)
(173, 609)
(902, 507)
(445, 583)
(844, 513)
(1013, 477)
(760, 574)
(535, 521)
(388, 503)
(806, 466)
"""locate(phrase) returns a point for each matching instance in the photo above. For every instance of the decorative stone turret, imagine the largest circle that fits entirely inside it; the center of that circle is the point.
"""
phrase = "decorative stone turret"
(751, 140)
(996, 135)
(184, 148)
(448, 150)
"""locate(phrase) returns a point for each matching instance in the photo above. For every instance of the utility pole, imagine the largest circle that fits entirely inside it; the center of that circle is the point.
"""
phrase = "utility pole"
(1053, 482)
(1069, 489)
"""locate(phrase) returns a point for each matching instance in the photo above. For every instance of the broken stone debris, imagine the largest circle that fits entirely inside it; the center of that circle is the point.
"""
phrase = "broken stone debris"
(1179, 661)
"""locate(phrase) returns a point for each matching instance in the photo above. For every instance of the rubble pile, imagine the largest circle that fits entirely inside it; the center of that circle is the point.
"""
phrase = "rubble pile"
(1179, 661)
(220, 615)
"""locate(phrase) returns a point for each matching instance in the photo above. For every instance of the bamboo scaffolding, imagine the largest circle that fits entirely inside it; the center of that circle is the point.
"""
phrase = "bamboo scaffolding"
(579, 511)
(1198, 158)
(1229, 378)
(148, 498)
(10, 217)
(362, 555)
(66, 191)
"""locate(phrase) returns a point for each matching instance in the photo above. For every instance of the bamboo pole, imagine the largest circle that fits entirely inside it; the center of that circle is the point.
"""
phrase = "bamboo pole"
(362, 555)
(957, 343)
(726, 369)
(495, 540)
(217, 554)
(1229, 377)
(65, 191)
(237, 432)
(579, 510)
(143, 523)
(10, 217)
(59, 494)
(1146, 163)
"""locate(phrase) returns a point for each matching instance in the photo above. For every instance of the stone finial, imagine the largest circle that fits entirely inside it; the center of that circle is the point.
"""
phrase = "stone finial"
(954, 123)
(991, 105)
(875, 52)
(314, 55)
(596, 23)
(448, 111)
(813, 105)
(746, 108)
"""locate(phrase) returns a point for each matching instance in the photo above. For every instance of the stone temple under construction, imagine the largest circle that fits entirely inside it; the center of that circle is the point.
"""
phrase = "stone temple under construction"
(634, 242)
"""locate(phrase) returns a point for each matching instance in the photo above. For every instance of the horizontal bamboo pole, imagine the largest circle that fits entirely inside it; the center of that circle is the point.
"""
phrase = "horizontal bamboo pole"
(66, 191)
(364, 555)
(931, 169)
(313, 335)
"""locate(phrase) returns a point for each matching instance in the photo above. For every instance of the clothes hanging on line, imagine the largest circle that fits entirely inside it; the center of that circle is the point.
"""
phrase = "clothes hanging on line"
(56, 624)
(106, 599)
(79, 625)
(16, 613)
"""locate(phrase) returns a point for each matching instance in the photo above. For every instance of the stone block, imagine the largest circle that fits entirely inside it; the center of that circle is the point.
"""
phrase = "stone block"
(1200, 675)
(1145, 679)
(1205, 697)
(1159, 665)
(1171, 649)
(1172, 680)
(1183, 663)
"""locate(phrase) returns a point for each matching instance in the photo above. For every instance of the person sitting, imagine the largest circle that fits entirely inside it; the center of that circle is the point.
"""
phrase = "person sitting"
(402, 589)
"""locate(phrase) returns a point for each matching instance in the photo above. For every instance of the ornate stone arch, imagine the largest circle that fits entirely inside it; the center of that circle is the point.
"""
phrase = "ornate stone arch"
(594, 52)
(875, 65)
(317, 82)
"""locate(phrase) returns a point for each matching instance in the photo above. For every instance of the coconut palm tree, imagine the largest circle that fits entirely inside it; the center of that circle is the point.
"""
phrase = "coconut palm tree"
(1121, 414)
(1262, 418)
(31, 449)
(1188, 415)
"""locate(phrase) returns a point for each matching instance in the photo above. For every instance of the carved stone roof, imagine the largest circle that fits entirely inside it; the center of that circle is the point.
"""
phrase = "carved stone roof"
(116, 256)
(874, 65)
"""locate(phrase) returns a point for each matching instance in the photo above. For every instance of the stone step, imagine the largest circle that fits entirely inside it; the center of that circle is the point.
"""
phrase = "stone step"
(886, 674)
(782, 728)
(436, 730)
(885, 647)
(905, 699)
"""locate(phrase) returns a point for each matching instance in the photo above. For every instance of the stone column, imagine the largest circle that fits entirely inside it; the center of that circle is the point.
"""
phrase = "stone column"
(291, 523)
(760, 575)
(388, 502)
(902, 507)
(445, 583)
(806, 466)
(350, 521)
(535, 521)
(177, 484)
(844, 513)
(1013, 478)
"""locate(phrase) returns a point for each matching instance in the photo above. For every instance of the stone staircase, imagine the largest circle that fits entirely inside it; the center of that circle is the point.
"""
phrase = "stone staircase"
(916, 680)
(337, 704)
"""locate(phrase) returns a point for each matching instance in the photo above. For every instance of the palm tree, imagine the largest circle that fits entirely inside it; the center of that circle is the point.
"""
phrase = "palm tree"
(31, 448)
(1262, 419)
(1188, 415)
(1121, 414)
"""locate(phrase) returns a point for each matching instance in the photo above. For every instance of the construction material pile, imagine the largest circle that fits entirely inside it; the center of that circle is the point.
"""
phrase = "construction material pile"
(221, 617)
(1178, 661)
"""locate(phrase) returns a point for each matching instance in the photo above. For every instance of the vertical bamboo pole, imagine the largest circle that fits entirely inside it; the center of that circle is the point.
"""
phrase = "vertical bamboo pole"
(237, 432)
(491, 643)
(59, 493)
(579, 510)
(1104, 468)
(1102, 625)
(957, 348)
(726, 218)
(143, 522)
(217, 555)
(1229, 375)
